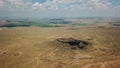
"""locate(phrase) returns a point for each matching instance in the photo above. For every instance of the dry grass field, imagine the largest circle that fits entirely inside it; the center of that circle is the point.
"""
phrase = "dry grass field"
(59, 33)
(36, 47)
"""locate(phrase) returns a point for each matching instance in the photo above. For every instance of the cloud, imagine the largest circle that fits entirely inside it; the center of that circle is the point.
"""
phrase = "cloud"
(69, 3)
(59, 4)
(16, 3)
(36, 5)
(60, 7)
(1, 3)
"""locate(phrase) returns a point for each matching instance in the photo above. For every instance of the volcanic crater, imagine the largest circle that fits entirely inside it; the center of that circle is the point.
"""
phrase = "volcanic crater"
(73, 43)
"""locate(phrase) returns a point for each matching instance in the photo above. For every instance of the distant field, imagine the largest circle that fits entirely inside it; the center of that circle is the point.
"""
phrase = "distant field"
(59, 22)
(27, 24)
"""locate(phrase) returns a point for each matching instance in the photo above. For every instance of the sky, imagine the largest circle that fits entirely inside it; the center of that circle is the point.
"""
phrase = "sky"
(59, 8)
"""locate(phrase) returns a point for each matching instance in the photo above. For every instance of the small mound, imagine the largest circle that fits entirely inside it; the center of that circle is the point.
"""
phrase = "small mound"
(17, 53)
(73, 42)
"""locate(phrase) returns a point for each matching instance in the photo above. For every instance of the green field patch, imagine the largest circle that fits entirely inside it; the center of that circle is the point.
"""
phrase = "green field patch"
(42, 24)
(10, 25)
(80, 24)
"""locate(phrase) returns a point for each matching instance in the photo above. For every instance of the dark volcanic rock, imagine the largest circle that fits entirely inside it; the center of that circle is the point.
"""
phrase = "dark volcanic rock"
(73, 42)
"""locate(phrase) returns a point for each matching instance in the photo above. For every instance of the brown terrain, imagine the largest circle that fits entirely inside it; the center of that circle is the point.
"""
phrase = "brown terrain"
(36, 47)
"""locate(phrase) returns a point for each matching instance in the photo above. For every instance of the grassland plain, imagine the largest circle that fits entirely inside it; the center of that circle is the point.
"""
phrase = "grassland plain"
(36, 47)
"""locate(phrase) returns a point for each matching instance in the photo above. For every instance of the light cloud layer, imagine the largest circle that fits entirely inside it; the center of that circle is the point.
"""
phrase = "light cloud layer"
(59, 8)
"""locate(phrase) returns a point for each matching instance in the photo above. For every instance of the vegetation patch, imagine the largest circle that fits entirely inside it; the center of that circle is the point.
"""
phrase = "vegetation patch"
(42, 25)
(60, 22)
(14, 25)
(80, 24)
